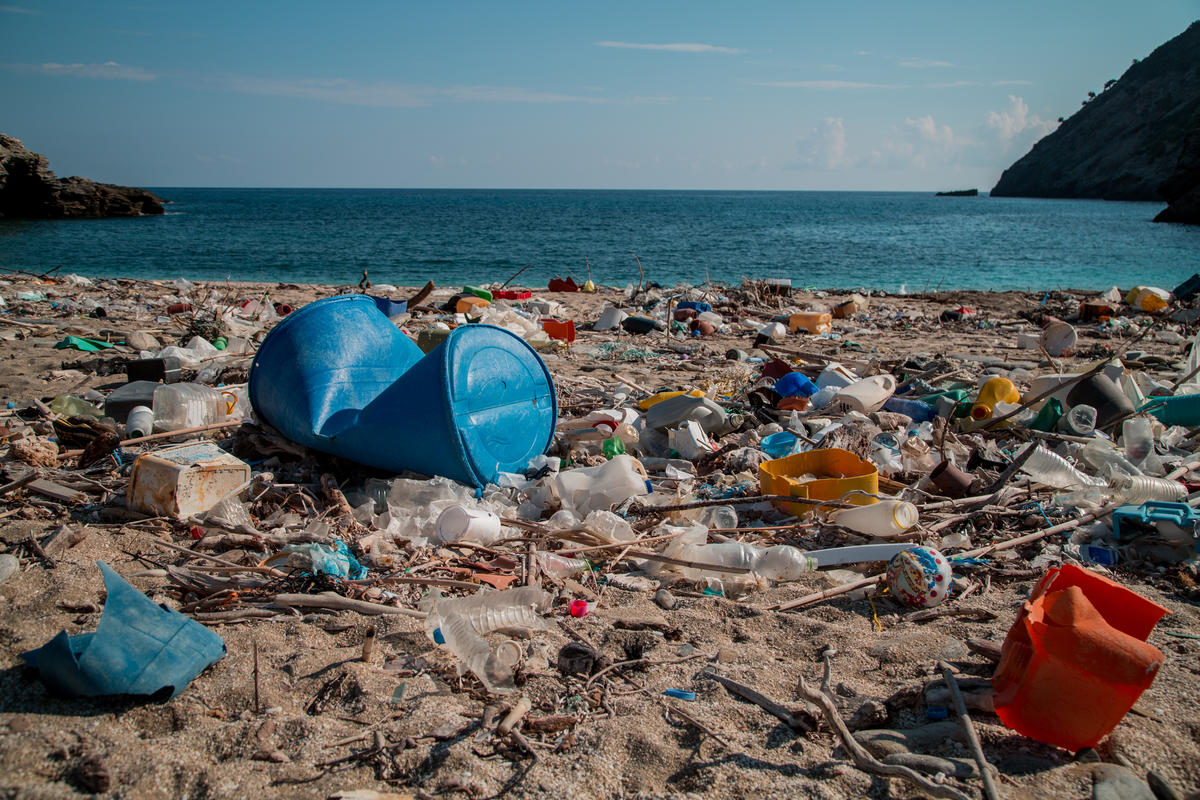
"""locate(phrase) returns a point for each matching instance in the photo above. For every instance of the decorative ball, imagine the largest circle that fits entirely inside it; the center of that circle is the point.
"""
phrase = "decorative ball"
(919, 577)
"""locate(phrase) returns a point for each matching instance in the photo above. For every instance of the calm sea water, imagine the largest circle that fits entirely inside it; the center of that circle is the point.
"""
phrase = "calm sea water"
(885, 240)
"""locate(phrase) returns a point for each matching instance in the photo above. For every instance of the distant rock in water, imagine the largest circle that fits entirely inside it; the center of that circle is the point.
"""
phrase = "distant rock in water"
(1182, 190)
(959, 193)
(1125, 141)
(30, 190)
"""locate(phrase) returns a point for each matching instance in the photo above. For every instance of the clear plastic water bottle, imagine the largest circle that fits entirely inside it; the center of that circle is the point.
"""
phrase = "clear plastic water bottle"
(187, 405)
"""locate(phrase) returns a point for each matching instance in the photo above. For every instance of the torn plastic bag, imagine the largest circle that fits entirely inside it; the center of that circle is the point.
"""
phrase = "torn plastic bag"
(138, 648)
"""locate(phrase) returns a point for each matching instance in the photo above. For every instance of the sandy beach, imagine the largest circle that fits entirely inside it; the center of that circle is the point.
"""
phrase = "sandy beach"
(293, 711)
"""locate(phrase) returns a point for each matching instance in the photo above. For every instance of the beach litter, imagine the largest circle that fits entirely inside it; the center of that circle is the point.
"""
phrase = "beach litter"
(634, 516)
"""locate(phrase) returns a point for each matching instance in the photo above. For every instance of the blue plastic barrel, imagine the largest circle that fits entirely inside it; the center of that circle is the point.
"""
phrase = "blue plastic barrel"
(338, 377)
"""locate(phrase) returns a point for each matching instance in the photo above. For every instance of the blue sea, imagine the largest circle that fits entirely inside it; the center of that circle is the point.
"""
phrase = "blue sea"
(895, 241)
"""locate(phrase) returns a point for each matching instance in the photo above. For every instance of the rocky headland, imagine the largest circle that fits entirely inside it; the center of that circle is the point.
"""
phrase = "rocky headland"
(1137, 139)
(28, 189)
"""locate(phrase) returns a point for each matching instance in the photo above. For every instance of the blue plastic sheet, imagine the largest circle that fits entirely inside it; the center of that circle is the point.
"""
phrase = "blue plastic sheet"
(139, 648)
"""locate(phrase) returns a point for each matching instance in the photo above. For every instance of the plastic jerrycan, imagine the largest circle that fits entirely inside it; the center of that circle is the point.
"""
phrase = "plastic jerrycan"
(866, 395)
(1076, 659)
(811, 321)
(994, 390)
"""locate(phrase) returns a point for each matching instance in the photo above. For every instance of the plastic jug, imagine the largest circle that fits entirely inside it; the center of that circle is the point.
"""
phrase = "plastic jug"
(811, 321)
(188, 405)
(1076, 659)
(884, 519)
(866, 395)
(994, 390)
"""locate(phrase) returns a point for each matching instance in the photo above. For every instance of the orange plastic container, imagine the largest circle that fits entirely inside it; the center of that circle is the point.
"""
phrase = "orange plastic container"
(994, 390)
(811, 321)
(558, 329)
(1076, 660)
(471, 305)
(837, 472)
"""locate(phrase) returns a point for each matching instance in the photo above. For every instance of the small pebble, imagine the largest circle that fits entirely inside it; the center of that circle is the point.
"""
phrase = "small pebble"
(665, 599)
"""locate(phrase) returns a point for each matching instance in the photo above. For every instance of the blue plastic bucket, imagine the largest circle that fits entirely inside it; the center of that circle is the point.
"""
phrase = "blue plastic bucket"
(329, 357)
(337, 376)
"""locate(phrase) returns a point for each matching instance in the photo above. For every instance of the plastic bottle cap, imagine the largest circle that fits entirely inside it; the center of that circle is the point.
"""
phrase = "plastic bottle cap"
(579, 608)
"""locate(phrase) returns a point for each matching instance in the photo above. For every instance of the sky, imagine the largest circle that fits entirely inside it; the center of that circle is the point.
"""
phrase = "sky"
(655, 94)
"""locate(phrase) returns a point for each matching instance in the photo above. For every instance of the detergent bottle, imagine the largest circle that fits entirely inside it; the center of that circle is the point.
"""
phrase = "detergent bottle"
(994, 390)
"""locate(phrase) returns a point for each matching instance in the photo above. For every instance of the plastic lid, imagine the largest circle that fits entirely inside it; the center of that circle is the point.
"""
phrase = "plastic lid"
(502, 399)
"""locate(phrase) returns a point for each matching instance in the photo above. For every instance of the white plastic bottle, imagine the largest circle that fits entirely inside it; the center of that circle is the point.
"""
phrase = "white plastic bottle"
(187, 405)
(139, 423)
(884, 519)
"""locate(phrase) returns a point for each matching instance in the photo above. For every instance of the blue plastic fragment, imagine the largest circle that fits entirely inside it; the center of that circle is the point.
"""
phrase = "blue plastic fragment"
(438, 638)
(680, 693)
(138, 648)
(937, 713)
(1126, 520)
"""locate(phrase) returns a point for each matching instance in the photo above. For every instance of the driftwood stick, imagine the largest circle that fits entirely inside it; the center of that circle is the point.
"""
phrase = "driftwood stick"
(797, 722)
(989, 786)
(864, 760)
(339, 603)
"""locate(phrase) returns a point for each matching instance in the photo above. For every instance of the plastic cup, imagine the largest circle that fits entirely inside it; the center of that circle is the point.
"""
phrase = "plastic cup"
(459, 523)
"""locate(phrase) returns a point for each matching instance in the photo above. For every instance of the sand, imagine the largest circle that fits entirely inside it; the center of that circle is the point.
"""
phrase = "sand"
(323, 714)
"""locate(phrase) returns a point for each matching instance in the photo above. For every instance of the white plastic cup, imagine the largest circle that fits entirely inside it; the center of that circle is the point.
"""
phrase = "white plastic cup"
(610, 318)
(458, 523)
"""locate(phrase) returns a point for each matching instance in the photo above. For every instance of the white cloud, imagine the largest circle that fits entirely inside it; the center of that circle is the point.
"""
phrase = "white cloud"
(109, 70)
(922, 63)
(920, 143)
(1015, 126)
(825, 145)
(827, 85)
(393, 95)
(678, 47)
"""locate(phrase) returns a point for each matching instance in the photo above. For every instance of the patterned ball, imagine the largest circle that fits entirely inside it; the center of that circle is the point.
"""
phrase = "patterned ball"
(919, 577)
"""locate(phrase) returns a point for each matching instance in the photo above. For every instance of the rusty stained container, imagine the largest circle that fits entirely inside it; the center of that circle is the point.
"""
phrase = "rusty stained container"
(184, 481)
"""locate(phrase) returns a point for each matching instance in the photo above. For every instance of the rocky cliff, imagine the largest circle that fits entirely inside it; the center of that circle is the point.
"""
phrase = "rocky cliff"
(29, 189)
(1124, 143)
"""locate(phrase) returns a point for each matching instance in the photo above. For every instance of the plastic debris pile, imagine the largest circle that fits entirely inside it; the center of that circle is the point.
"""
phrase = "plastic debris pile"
(791, 455)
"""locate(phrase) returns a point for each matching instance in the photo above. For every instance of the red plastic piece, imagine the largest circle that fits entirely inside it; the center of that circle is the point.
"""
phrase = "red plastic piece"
(1076, 660)
(558, 329)
(566, 284)
(512, 294)
(579, 608)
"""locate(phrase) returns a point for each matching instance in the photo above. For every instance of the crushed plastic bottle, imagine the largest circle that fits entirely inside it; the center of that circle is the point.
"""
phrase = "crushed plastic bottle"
(459, 624)
(1054, 470)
